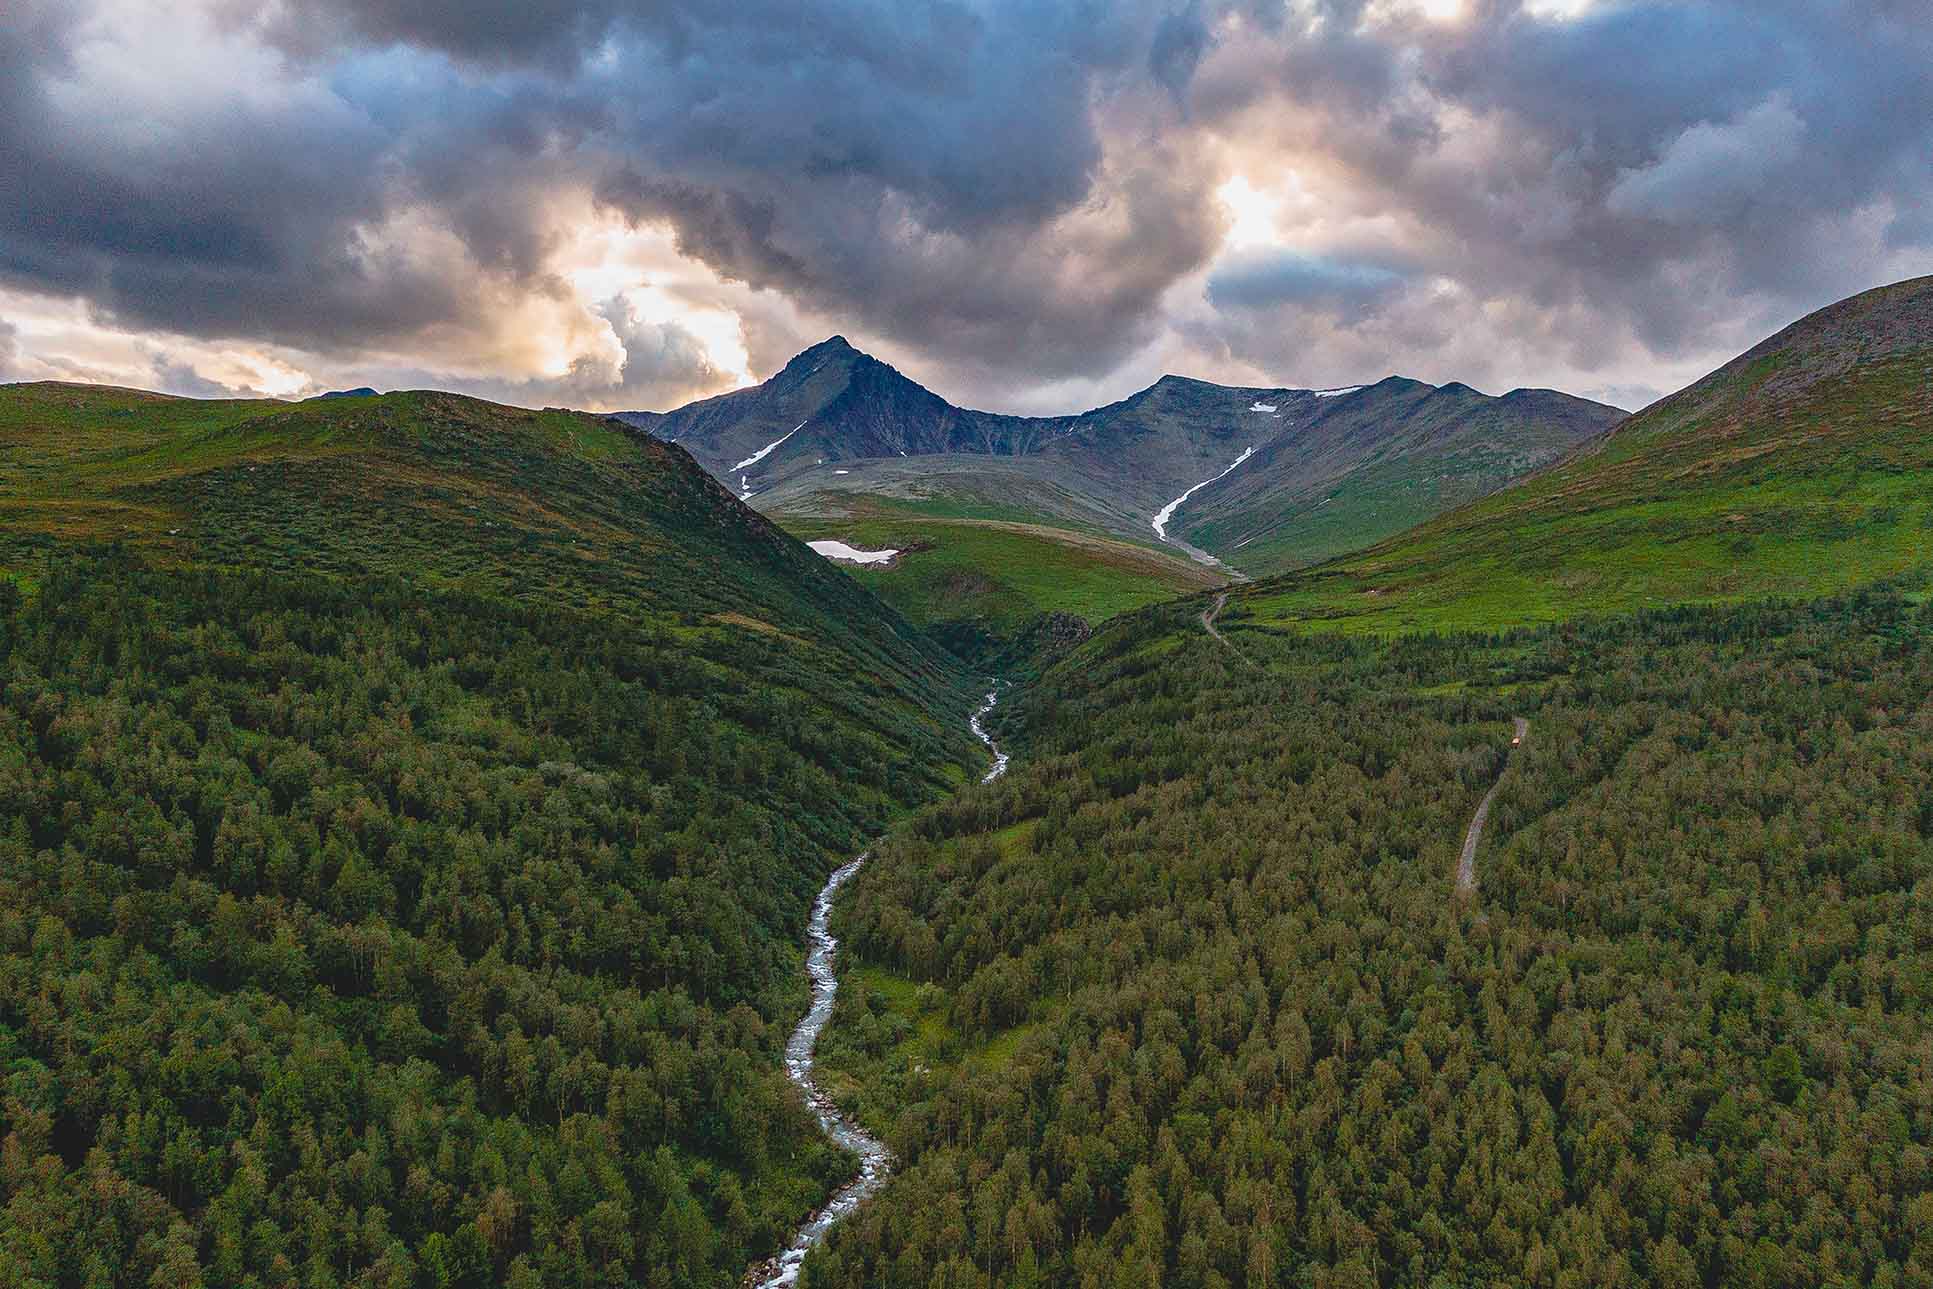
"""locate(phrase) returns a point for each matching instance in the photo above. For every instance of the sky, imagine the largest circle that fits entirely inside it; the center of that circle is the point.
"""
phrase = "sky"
(1031, 206)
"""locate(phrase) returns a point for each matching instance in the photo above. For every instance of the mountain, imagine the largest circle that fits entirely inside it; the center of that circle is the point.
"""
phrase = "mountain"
(840, 445)
(1803, 466)
(1367, 464)
(834, 423)
(416, 805)
(836, 403)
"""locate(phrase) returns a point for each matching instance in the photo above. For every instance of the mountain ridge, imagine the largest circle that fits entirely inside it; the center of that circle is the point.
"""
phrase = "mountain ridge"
(832, 420)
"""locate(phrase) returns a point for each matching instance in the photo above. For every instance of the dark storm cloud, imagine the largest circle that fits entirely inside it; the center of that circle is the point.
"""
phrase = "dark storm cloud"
(1179, 42)
(908, 166)
(942, 199)
(238, 228)
(1008, 190)
(1731, 136)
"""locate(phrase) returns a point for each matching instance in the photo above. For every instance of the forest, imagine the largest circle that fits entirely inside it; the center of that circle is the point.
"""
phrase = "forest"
(417, 904)
(356, 933)
(1187, 998)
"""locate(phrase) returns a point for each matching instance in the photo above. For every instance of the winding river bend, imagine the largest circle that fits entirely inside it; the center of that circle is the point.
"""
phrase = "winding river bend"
(875, 1161)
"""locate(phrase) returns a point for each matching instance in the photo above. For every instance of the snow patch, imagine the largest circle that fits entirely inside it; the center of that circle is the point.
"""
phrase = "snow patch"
(842, 472)
(851, 554)
(1338, 393)
(1261, 407)
(766, 451)
(1168, 511)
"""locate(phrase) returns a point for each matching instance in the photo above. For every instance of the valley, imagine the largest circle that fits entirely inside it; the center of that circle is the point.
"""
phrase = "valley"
(875, 1161)
(661, 644)
(471, 795)
(1238, 481)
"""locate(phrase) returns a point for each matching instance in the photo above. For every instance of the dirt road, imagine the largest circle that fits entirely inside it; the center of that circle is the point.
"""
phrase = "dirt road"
(1466, 868)
(1208, 617)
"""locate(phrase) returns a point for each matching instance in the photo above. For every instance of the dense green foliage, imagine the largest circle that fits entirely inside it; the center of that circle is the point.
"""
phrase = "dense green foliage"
(1186, 999)
(358, 936)
(406, 840)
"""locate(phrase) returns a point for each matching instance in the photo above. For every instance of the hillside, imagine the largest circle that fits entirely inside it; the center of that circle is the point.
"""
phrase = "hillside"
(1801, 467)
(409, 813)
(1189, 997)
(1321, 471)
(1364, 466)
(982, 583)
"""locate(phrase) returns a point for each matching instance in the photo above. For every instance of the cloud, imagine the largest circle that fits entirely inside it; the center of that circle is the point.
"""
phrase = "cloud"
(1180, 40)
(655, 365)
(1288, 279)
(174, 376)
(605, 200)
(1711, 174)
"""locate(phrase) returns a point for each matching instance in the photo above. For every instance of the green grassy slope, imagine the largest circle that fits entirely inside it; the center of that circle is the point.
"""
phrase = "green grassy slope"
(1384, 461)
(409, 812)
(990, 545)
(999, 576)
(951, 486)
(553, 507)
(1804, 466)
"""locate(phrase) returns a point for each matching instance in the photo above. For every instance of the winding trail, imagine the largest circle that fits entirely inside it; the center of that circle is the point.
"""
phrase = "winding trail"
(1208, 617)
(875, 1160)
(1466, 867)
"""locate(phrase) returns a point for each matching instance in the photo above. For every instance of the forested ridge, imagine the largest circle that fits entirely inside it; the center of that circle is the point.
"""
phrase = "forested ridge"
(406, 835)
(1187, 999)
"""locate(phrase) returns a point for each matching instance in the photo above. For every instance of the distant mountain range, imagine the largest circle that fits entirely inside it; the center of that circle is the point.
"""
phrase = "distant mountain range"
(1273, 478)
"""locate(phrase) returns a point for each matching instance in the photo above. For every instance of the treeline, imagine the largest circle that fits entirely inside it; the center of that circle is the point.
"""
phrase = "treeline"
(355, 935)
(1217, 1019)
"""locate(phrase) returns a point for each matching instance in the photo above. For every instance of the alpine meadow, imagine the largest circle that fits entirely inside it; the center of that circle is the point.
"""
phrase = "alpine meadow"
(966, 645)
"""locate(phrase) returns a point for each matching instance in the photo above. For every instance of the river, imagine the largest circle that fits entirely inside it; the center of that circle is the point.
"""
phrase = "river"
(875, 1161)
